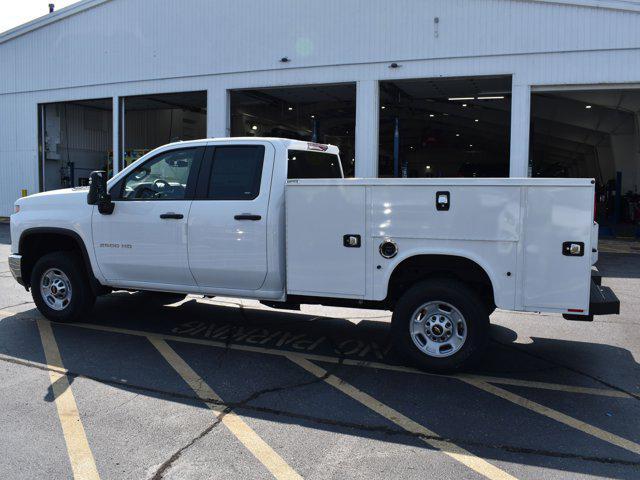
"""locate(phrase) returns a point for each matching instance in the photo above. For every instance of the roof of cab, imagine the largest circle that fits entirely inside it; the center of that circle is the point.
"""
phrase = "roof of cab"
(286, 142)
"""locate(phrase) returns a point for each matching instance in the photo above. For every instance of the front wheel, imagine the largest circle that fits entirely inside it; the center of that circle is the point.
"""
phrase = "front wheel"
(60, 287)
(440, 325)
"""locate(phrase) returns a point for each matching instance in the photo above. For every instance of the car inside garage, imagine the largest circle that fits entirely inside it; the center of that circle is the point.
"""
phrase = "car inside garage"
(592, 134)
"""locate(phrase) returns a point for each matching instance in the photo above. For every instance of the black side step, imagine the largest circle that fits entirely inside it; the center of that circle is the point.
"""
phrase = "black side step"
(281, 305)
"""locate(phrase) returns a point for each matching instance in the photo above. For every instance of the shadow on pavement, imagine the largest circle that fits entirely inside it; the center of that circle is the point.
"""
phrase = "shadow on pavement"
(269, 387)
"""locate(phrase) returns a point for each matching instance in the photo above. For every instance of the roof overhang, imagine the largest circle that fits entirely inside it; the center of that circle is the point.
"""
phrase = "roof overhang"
(83, 5)
(45, 20)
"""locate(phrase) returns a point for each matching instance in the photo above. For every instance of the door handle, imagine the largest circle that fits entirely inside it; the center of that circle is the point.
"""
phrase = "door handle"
(175, 216)
(248, 216)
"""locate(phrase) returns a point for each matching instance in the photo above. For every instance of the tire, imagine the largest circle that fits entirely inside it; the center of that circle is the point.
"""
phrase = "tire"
(60, 287)
(452, 330)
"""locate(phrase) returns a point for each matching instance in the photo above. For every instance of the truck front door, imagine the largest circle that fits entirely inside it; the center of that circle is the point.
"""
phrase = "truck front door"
(144, 240)
(228, 219)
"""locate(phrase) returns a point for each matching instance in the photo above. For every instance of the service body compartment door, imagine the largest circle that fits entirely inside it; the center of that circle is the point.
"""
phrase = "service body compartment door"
(553, 279)
(318, 218)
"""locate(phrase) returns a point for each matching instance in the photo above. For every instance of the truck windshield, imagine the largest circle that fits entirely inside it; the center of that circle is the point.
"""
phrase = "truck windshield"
(305, 164)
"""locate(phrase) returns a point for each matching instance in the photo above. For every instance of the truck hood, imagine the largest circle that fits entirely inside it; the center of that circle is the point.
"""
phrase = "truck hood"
(55, 199)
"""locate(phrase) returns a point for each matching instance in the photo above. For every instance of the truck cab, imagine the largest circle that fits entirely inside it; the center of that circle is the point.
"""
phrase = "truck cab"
(190, 217)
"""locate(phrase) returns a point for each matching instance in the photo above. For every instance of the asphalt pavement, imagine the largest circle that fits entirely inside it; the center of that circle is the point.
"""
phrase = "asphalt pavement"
(227, 388)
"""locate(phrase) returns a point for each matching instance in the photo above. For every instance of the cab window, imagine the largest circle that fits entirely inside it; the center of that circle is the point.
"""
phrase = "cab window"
(165, 177)
(306, 164)
(236, 172)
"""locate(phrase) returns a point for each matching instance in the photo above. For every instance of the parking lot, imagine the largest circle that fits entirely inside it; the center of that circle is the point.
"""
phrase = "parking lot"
(226, 388)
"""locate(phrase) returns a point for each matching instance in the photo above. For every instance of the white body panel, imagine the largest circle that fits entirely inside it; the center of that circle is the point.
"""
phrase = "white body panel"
(314, 238)
(135, 245)
(500, 224)
(550, 278)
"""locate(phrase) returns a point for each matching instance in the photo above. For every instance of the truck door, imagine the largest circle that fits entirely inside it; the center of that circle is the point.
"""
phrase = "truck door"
(228, 219)
(557, 216)
(144, 240)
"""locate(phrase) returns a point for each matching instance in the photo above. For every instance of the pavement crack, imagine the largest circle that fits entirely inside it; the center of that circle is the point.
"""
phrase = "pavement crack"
(288, 387)
(165, 466)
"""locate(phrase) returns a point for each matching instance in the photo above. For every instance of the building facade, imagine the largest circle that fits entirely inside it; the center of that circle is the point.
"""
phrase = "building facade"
(414, 88)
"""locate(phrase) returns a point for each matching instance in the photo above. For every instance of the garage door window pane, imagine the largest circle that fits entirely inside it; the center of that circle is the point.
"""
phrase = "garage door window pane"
(236, 173)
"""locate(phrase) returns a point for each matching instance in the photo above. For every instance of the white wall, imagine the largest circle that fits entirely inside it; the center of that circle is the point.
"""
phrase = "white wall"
(126, 48)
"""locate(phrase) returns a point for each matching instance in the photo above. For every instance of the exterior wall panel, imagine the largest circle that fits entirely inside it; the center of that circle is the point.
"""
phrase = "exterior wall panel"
(126, 47)
(123, 40)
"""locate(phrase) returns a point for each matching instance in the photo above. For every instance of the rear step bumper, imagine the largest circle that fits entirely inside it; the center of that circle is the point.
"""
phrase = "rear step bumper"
(602, 301)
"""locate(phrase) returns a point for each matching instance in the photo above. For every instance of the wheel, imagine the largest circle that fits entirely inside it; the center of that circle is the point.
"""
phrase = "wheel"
(60, 287)
(440, 325)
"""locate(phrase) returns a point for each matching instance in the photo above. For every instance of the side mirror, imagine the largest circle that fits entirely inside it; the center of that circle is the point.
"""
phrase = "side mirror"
(98, 192)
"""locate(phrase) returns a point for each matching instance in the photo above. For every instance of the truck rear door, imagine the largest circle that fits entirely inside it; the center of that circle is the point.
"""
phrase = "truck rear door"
(228, 219)
(557, 235)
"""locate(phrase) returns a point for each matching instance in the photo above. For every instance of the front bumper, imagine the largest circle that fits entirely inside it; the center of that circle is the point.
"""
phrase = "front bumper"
(15, 265)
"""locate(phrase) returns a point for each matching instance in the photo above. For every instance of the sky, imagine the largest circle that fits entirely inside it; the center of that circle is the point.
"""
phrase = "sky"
(17, 12)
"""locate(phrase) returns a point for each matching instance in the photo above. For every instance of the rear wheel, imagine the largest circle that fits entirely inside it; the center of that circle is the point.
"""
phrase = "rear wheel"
(60, 287)
(440, 325)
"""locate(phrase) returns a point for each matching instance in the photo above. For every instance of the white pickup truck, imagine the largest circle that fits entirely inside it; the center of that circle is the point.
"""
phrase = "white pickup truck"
(274, 220)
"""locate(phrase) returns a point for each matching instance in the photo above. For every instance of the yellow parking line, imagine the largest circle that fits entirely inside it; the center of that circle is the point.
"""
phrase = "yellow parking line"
(250, 439)
(558, 387)
(555, 415)
(80, 456)
(361, 363)
(451, 449)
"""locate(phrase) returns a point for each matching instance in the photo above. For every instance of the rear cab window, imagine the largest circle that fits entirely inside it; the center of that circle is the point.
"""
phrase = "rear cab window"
(313, 164)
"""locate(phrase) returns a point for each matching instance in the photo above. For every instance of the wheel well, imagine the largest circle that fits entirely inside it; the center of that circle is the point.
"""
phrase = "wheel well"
(35, 245)
(422, 267)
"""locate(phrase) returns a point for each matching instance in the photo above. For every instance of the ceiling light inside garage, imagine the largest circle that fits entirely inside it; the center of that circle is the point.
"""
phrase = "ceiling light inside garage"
(455, 99)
